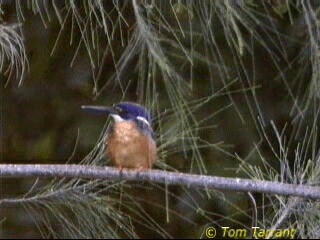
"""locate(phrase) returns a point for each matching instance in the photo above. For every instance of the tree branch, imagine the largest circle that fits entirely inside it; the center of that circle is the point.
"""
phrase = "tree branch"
(171, 178)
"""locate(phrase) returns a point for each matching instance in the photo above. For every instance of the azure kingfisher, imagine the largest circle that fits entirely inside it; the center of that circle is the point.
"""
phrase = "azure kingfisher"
(130, 142)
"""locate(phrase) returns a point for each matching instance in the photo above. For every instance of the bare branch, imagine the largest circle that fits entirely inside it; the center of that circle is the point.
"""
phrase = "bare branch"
(172, 178)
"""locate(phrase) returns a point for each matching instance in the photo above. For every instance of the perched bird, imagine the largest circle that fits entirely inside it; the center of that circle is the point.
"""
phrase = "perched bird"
(130, 142)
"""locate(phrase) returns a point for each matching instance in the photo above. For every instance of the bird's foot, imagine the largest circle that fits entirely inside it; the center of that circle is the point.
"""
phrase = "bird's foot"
(141, 169)
(120, 168)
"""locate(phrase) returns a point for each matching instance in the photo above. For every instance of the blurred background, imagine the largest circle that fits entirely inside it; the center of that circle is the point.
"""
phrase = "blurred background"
(232, 87)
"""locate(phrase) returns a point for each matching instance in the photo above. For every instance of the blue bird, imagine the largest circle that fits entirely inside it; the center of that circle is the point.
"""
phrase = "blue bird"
(130, 142)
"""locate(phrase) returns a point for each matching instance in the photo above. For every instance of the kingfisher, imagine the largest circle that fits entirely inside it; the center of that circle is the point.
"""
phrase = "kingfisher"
(130, 142)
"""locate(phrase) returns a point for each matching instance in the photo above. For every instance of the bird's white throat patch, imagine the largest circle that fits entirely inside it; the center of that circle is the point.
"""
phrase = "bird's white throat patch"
(117, 118)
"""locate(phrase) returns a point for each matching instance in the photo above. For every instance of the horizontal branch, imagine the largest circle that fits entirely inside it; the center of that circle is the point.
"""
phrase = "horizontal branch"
(171, 178)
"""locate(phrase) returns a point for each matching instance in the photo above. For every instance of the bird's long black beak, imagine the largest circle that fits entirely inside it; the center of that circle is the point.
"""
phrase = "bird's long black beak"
(99, 109)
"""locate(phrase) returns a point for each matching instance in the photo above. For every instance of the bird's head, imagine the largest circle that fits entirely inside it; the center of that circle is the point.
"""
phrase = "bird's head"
(124, 111)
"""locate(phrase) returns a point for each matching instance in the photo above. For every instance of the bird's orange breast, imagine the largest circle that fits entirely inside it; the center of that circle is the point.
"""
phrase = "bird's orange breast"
(128, 147)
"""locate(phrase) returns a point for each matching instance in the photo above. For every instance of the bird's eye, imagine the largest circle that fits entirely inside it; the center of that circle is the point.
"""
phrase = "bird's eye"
(119, 109)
